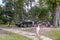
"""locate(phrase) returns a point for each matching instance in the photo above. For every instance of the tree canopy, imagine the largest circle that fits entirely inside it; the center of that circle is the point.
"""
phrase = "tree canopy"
(21, 10)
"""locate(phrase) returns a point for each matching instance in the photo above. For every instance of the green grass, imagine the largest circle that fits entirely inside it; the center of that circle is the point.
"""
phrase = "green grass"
(5, 25)
(12, 36)
(40, 39)
(55, 34)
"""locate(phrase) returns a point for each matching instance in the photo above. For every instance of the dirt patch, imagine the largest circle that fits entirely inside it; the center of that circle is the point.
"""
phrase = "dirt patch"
(3, 32)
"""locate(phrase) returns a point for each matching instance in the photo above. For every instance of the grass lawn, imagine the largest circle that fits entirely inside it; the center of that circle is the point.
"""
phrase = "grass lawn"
(54, 34)
(12, 36)
(5, 25)
(40, 39)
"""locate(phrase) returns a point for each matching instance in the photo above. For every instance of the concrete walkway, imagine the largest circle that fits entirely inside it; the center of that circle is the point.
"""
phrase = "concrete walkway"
(45, 38)
(27, 34)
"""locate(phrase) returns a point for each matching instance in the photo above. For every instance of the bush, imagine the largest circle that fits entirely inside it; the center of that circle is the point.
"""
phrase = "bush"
(1, 22)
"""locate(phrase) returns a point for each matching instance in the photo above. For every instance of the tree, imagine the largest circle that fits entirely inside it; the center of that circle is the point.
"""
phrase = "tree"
(8, 14)
(1, 14)
(19, 10)
(54, 5)
(40, 12)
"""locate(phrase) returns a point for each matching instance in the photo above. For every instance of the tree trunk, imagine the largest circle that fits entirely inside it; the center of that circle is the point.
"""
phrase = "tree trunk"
(56, 16)
(59, 15)
(49, 14)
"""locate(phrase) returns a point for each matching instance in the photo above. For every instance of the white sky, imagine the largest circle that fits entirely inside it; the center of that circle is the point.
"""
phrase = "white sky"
(0, 2)
(3, 4)
(33, 4)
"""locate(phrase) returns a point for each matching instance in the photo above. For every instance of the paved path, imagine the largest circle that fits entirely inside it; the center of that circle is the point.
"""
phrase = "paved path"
(45, 38)
(27, 34)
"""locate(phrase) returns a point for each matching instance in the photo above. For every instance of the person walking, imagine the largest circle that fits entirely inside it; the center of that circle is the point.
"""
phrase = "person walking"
(37, 29)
